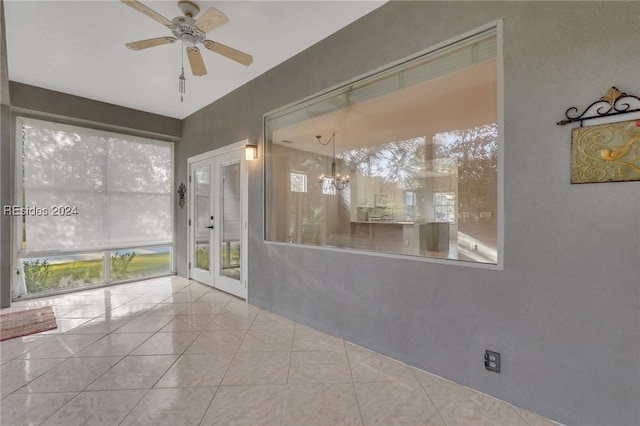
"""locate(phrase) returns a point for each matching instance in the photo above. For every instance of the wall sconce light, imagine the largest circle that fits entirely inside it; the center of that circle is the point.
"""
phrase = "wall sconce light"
(251, 152)
(182, 190)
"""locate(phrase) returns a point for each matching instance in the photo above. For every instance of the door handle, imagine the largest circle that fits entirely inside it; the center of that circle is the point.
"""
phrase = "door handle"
(210, 227)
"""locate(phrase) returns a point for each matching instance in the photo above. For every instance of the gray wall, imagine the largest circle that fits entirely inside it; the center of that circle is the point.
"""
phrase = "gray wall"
(565, 311)
(65, 107)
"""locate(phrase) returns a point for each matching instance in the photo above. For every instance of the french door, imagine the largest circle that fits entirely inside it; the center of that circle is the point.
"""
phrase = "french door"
(217, 220)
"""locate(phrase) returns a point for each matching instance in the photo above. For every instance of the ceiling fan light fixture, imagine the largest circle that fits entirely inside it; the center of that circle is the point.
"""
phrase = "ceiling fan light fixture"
(189, 40)
(189, 8)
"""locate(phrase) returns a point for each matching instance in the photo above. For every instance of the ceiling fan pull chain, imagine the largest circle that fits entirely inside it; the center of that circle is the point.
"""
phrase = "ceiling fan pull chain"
(182, 81)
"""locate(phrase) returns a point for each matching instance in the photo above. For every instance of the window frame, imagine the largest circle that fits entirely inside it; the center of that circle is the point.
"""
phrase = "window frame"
(496, 25)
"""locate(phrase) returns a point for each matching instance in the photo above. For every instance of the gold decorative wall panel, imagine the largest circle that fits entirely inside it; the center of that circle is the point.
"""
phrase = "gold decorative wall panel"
(606, 153)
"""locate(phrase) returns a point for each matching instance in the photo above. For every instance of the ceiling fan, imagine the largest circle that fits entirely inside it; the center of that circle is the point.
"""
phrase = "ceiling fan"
(191, 32)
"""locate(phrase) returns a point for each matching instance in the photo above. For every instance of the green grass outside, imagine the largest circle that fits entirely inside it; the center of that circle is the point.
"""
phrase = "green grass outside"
(88, 272)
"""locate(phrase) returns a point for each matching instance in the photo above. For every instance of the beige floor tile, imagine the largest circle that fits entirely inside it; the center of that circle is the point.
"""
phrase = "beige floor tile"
(258, 368)
(195, 287)
(62, 346)
(308, 339)
(115, 345)
(533, 419)
(228, 320)
(13, 348)
(163, 309)
(31, 409)
(462, 406)
(62, 310)
(143, 324)
(19, 372)
(152, 297)
(65, 325)
(246, 405)
(171, 407)
(134, 372)
(119, 299)
(216, 296)
(321, 404)
(188, 323)
(196, 371)
(89, 311)
(129, 310)
(274, 339)
(217, 341)
(167, 343)
(184, 297)
(241, 307)
(319, 367)
(99, 325)
(243, 353)
(266, 319)
(204, 308)
(73, 374)
(97, 408)
(395, 403)
(368, 366)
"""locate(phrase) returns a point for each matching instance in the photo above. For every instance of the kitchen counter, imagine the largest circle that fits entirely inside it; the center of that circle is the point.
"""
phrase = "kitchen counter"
(400, 236)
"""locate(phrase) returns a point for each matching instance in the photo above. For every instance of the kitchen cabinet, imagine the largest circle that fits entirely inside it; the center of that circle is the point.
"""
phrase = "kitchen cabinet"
(400, 237)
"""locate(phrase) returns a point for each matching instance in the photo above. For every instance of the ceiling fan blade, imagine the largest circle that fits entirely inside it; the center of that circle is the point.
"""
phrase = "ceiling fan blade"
(211, 19)
(196, 62)
(152, 42)
(149, 12)
(229, 52)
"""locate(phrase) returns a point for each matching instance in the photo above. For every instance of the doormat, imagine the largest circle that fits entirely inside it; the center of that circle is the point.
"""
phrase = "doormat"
(29, 321)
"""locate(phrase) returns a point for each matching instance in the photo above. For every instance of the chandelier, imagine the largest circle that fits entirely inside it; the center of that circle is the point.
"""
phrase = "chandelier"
(334, 180)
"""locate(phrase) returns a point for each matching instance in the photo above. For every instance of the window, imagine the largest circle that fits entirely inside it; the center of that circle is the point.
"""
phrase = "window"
(298, 182)
(89, 193)
(444, 206)
(420, 143)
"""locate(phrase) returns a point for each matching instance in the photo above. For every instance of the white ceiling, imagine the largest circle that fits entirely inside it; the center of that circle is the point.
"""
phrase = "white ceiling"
(78, 47)
(455, 101)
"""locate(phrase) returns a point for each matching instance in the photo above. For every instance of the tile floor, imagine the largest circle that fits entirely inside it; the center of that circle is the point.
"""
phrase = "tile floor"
(174, 352)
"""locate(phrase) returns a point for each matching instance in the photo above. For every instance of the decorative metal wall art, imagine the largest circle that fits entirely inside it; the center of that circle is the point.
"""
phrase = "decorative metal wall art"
(613, 103)
(605, 152)
(182, 190)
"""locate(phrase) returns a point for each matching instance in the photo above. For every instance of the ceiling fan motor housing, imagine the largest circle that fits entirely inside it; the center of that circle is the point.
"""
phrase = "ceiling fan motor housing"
(186, 31)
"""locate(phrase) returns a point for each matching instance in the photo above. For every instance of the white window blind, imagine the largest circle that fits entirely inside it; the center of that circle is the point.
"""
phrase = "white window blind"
(472, 51)
(120, 185)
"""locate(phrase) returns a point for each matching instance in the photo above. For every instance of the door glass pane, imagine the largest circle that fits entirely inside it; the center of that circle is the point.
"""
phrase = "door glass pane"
(231, 213)
(202, 217)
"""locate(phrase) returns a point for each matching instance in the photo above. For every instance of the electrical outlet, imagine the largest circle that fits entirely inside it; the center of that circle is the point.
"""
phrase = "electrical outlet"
(492, 361)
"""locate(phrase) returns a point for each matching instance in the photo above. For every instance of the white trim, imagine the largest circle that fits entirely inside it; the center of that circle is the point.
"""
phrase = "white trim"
(500, 189)
(16, 223)
(244, 223)
(398, 256)
(218, 151)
